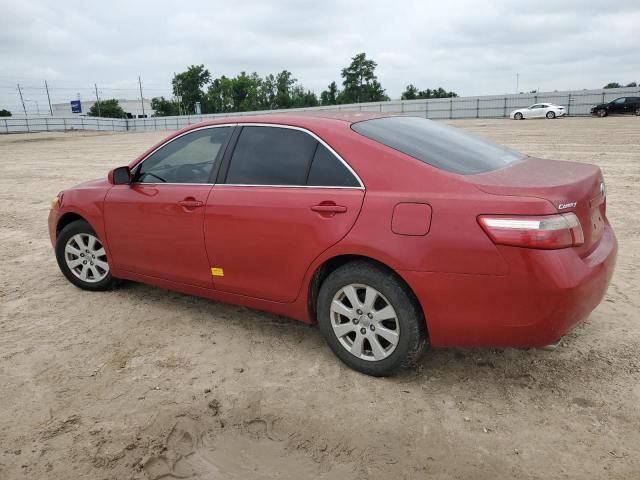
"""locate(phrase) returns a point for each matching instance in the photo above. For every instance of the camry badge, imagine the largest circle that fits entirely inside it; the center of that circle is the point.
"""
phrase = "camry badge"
(566, 205)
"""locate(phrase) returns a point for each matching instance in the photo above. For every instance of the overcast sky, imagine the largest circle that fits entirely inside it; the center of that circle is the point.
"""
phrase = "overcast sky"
(471, 47)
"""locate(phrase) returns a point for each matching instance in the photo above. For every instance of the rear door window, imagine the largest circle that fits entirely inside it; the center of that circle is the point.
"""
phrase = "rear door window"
(328, 171)
(271, 156)
(438, 144)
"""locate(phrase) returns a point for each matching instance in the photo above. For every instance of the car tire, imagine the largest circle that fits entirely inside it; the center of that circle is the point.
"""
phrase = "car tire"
(518, 116)
(638, 112)
(551, 115)
(602, 113)
(82, 258)
(357, 329)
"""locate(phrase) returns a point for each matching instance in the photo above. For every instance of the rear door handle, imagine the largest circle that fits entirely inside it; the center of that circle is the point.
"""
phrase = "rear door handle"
(187, 203)
(324, 208)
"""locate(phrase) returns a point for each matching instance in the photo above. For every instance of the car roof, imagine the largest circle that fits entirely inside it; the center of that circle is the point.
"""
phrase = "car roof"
(299, 119)
(315, 121)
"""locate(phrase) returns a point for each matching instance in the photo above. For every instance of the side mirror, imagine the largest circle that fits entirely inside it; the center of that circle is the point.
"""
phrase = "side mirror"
(120, 176)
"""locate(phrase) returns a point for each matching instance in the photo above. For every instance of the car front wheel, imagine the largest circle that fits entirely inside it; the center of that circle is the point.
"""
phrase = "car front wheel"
(638, 112)
(370, 319)
(602, 113)
(82, 257)
(518, 116)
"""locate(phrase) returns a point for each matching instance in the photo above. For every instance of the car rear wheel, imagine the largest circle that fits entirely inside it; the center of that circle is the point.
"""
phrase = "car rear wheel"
(518, 116)
(82, 258)
(602, 113)
(638, 112)
(551, 115)
(370, 319)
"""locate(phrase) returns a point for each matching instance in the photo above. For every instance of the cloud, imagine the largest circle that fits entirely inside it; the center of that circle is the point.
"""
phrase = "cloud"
(471, 47)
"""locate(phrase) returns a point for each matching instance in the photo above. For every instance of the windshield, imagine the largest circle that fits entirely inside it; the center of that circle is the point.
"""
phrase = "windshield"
(437, 144)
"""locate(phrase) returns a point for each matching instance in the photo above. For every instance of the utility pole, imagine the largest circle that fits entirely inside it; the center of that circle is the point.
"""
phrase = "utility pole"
(141, 97)
(48, 97)
(97, 99)
(22, 100)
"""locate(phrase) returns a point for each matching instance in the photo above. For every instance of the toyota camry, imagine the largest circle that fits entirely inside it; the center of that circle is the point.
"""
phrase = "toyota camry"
(391, 233)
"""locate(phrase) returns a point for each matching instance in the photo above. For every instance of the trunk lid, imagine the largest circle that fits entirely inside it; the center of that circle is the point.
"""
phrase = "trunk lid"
(569, 186)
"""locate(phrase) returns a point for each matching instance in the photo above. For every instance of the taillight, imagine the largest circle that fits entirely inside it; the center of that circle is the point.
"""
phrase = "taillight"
(544, 231)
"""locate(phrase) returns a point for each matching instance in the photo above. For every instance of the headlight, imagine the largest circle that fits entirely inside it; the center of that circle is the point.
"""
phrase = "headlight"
(57, 200)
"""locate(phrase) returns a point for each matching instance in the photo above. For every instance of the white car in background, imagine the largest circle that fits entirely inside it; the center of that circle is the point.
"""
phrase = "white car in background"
(539, 110)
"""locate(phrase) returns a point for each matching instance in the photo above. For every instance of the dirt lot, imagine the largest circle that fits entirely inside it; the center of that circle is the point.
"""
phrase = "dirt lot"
(144, 383)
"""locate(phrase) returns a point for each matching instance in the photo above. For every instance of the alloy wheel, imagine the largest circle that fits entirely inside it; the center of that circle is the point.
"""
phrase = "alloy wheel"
(365, 322)
(86, 258)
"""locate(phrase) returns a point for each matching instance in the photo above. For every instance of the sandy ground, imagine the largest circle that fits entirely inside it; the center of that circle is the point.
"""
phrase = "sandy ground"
(144, 383)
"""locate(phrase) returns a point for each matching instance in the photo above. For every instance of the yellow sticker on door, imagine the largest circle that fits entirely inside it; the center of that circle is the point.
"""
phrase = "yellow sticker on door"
(217, 272)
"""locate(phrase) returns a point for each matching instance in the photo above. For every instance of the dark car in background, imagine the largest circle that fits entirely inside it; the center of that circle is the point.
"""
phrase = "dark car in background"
(618, 106)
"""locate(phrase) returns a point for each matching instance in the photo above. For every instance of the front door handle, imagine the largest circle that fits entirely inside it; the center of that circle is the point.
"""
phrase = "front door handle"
(190, 203)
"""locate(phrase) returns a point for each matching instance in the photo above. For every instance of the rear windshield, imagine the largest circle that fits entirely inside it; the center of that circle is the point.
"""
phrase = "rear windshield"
(437, 144)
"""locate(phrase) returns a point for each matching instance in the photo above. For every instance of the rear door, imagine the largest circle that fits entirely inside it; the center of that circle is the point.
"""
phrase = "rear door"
(630, 105)
(282, 198)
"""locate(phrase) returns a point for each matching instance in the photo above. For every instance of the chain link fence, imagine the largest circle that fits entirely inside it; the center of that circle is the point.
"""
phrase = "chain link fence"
(578, 102)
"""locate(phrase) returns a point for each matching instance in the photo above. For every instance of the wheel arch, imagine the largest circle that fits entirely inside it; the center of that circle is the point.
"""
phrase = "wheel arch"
(66, 219)
(331, 264)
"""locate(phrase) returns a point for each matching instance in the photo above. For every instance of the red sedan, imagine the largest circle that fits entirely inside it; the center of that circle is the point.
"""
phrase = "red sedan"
(389, 232)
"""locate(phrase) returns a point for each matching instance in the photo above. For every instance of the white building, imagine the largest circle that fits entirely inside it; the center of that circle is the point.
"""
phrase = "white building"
(134, 107)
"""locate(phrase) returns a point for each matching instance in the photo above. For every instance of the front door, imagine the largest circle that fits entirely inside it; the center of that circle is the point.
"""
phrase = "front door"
(155, 225)
(537, 110)
(284, 199)
(617, 106)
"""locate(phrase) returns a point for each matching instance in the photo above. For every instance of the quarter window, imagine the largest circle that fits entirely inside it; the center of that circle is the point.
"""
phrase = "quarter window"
(187, 159)
(271, 156)
(326, 170)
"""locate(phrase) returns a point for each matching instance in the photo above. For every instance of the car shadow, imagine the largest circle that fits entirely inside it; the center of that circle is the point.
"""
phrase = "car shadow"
(550, 370)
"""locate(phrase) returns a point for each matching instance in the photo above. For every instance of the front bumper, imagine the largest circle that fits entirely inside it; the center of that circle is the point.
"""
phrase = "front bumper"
(545, 294)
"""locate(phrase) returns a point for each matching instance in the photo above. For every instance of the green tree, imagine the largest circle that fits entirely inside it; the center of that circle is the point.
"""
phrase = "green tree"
(330, 95)
(612, 85)
(410, 93)
(360, 82)
(284, 83)
(189, 86)
(246, 90)
(220, 95)
(108, 109)
(163, 107)
(5, 113)
(632, 84)
(301, 98)
(269, 92)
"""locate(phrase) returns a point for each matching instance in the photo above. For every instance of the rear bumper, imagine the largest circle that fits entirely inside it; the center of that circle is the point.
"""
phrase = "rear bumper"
(545, 294)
